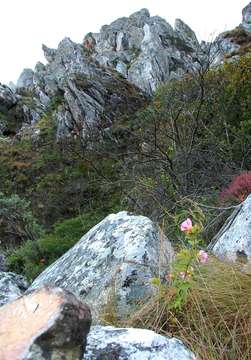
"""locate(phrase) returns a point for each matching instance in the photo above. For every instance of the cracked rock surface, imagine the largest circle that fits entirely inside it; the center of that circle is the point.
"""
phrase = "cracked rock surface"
(233, 242)
(107, 342)
(115, 261)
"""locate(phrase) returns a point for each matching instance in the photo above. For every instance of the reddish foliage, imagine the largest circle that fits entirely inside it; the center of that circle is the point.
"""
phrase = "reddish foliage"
(238, 189)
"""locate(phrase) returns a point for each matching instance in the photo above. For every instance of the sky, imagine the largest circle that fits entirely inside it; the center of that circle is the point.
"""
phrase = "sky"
(27, 24)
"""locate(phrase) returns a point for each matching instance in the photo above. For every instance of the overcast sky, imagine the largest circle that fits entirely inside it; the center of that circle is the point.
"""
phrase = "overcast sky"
(26, 24)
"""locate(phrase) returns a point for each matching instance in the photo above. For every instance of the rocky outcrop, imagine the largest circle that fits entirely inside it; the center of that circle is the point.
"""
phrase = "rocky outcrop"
(112, 264)
(236, 42)
(144, 49)
(246, 18)
(86, 87)
(7, 98)
(12, 115)
(233, 243)
(25, 79)
(77, 92)
(53, 323)
(131, 344)
(12, 286)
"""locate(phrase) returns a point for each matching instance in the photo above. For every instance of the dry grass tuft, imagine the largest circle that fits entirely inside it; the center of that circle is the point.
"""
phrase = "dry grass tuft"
(215, 322)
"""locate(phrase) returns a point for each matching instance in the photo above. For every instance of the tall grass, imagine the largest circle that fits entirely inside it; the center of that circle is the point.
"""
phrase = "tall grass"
(215, 321)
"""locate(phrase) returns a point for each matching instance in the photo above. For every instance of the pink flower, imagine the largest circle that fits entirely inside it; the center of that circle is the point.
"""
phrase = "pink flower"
(182, 275)
(202, 256)
(187, 225)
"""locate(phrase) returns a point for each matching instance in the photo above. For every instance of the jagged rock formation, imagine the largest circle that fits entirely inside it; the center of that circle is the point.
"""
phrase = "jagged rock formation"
(88, 96)
(246, 18)
(235, 42)
(16, 110)
(88, 82)
(146, 50)
(87, 86)
(7, 98)
(25, 79)
(53, 323)
(107, 342)
(114, 262)
(12, 286)
(233, 243)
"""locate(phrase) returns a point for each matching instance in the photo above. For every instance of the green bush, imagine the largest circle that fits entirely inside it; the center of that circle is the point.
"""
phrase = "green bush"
(17, 223)
(34, 256)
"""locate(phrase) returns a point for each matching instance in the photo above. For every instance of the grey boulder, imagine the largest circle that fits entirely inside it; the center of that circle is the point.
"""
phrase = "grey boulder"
(107, 342)
(114, 262)
(12, 286)
(233, 243)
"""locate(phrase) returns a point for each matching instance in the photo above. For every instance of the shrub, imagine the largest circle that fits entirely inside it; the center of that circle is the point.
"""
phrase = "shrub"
(33, 257)
(238, 189)
(17, 223)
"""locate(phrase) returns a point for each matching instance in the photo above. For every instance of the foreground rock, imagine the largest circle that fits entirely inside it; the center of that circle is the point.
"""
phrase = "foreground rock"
(44, 325)
(113, 263)
(131, 344)
(12, 286)
(233, 242)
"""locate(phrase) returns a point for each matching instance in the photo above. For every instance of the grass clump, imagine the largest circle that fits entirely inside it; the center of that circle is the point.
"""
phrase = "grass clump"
(215, 320)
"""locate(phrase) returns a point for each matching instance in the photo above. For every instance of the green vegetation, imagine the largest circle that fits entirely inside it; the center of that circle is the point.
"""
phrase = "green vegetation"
(17, 223)
(169, 161)
(178, 151)
(198, 299)
(34, 256)
(214, 321)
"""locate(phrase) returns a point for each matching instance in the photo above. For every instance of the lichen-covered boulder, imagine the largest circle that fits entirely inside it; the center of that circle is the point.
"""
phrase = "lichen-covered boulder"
(114, 262)
(233, 242)
(43, 325)
(107, 342)
(12, 286)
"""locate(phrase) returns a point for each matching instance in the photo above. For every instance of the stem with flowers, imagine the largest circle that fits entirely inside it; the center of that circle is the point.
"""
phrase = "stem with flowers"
(179, 280)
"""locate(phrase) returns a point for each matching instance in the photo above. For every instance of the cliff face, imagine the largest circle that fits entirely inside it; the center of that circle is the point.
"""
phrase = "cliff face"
(86, 86)
(79, 93)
